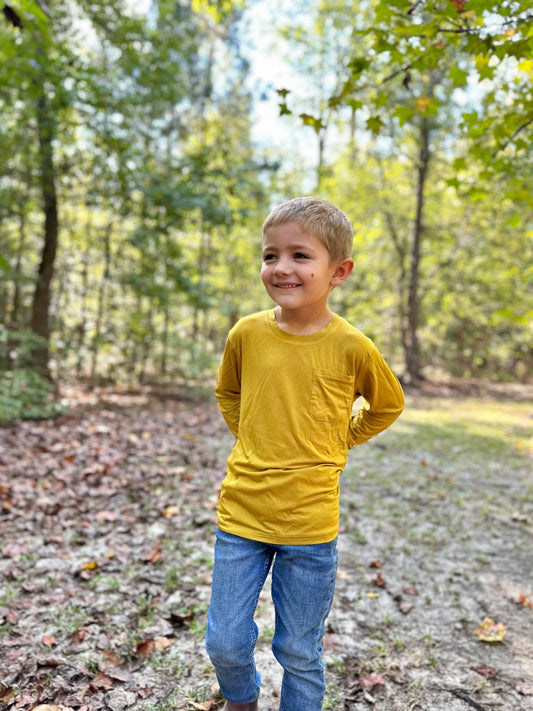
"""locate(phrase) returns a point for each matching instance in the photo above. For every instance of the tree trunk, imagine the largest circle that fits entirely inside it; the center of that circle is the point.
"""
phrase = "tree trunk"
(411, 342)
(41, 297)
(15, 308)
(102, 294)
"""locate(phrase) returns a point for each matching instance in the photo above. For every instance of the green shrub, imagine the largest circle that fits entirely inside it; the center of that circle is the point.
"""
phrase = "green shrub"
(25, 395)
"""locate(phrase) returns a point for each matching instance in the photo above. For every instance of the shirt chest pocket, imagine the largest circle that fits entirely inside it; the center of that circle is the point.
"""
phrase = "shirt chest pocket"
(331, 396)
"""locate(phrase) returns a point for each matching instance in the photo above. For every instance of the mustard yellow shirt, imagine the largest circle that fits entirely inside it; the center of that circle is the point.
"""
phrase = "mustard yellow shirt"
(288, 400)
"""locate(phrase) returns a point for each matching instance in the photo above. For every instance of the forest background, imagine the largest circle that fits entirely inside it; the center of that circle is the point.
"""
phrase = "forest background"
(142, 145)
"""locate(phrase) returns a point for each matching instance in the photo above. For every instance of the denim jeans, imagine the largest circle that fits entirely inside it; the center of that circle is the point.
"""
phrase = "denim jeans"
(303, 582)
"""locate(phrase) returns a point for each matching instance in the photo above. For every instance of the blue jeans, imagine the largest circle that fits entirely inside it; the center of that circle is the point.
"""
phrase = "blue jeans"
(303, 582)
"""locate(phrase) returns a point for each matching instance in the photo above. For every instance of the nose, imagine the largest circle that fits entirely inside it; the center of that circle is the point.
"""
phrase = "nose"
(283, 266)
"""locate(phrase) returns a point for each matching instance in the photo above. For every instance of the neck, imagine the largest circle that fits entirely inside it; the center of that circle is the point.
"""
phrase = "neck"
(302, 324)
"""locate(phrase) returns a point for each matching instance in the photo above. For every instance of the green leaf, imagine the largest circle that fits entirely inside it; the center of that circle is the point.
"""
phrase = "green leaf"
(514, 221)
(458, 76)
(404, 114)
(453, 183)
(309, 120)
(358, 65)
(374, 124)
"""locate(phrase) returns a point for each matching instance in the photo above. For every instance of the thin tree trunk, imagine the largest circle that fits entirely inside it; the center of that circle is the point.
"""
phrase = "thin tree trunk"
(15, 316)
(82, 324)
(41, 297)
(102, 292)
(412, 344)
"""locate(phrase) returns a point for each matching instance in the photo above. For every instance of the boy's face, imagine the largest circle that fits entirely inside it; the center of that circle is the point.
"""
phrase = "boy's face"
(296, 270)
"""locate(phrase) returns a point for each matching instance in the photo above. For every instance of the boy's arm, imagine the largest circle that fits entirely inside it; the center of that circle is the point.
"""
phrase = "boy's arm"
(380, 387)
(228, 389)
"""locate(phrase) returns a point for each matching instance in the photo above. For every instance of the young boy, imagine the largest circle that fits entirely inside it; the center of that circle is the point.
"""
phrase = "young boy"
(286, 386)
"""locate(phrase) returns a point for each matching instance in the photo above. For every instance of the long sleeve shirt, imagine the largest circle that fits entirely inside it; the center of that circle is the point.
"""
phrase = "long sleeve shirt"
(288, 400)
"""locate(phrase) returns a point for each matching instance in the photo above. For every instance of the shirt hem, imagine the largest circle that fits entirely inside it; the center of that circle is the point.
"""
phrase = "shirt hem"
(277, 540)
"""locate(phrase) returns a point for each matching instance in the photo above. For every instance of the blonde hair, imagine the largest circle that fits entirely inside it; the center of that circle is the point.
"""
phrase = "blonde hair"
(319, 217)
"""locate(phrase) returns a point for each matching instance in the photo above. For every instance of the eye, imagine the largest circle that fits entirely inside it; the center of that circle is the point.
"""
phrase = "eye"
(301, 255)
(268, 257)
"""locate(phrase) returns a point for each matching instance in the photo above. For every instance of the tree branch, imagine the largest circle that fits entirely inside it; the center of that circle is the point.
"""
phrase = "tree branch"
(511, 138)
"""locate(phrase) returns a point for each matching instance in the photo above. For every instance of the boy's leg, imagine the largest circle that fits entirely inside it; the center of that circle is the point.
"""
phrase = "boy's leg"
(303, 583)
(241, 567)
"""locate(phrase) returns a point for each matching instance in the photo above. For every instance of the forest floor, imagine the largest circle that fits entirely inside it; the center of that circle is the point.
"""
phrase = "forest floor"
(106, 535)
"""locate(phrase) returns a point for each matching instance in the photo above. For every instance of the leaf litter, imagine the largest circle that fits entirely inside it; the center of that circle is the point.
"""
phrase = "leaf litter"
(107, 527)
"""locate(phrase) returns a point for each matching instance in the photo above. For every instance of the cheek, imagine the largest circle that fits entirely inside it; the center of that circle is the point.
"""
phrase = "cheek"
(264, 273)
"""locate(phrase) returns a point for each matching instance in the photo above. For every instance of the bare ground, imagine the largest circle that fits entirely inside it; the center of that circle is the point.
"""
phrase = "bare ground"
(106, 530)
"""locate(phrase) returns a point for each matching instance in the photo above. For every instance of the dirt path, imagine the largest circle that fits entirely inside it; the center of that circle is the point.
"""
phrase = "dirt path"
(106, 540)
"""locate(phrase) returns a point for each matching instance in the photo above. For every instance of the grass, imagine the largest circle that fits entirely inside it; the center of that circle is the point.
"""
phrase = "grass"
(444, 501)
(437, 452)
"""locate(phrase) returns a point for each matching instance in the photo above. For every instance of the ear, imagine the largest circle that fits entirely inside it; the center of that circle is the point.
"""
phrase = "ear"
(342, 271)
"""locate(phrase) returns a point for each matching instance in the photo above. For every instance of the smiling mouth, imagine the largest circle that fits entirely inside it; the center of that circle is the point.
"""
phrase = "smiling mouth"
(286, 286)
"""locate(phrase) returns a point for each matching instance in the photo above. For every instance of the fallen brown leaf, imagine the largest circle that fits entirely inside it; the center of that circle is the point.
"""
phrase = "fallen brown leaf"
(525, 601)
(169, 511)
(145, 649)
(368, 681)
(405, 607)
(6, 693)
(487, 672)
(111, 657)
(101, 681)
(176, 619)
(78, 636)
(328, 641)
(162, 643)
(155, 553)
(48, 640)
(379, 581)
(525, 690)
(145, 693)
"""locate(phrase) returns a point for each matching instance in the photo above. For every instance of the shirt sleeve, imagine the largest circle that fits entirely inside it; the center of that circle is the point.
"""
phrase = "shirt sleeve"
(380, 388)
(228, 388)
